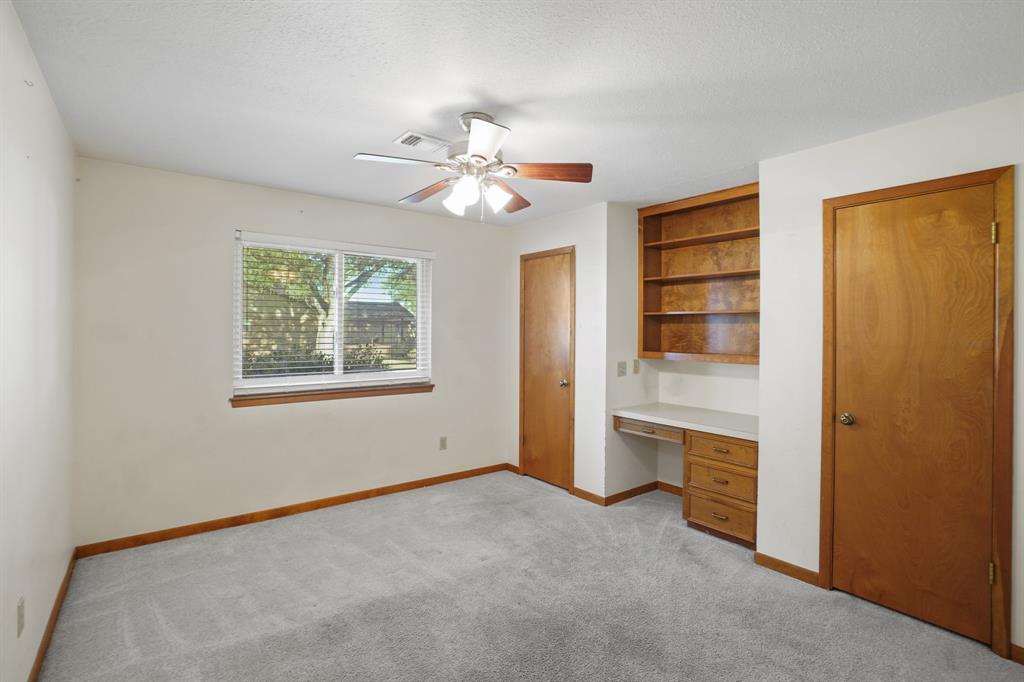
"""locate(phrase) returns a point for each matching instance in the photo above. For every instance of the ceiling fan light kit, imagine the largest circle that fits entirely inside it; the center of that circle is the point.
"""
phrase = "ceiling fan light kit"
(480, 171)
(453, 204)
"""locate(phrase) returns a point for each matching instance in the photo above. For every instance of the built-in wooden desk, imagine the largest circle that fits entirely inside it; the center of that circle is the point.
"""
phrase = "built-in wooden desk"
(719, 462)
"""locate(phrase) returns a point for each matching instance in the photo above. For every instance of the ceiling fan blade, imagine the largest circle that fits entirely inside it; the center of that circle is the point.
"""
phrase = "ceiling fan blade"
(563, 172)
(517, 202)
(425, 193)
(391, 159)
(485, 138)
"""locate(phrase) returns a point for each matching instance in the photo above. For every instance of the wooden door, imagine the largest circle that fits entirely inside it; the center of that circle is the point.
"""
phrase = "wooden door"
(546, 359)
(915, 287)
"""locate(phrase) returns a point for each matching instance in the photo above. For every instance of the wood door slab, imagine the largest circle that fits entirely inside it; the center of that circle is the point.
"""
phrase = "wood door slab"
(914, 365)
(547, 293)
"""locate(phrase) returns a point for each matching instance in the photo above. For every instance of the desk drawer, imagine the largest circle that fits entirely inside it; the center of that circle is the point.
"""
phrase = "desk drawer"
(648, 429)
(732, 450)
(720, 480)
(712, 513)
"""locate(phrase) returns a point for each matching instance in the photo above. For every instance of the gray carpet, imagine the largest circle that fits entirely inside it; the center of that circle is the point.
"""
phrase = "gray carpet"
(492, 578)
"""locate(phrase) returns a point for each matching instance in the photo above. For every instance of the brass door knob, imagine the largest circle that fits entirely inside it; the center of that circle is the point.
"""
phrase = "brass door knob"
(563, 382)
(846, 419)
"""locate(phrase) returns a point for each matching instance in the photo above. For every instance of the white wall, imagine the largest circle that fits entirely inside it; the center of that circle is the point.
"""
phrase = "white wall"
(605, 239)
(731, 388)
(792, 189)
(36, 200)
(629, 461)
(157, 444)
(585, 229)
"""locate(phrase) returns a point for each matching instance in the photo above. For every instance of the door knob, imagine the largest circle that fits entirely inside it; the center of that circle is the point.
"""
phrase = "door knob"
(846, 419)
(563, 382)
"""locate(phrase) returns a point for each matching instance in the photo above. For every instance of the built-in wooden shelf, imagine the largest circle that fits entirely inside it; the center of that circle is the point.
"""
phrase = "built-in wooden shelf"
(692, 276)
(665, 313)
(734, 359)
(700, 279)
(709, 238)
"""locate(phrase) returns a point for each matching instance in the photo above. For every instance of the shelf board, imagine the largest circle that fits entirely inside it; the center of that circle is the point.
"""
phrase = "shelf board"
(694, 276)
(705, 238)
(668, 313)
(730, 358)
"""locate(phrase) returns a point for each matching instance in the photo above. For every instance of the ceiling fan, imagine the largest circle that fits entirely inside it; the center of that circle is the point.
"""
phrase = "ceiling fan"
(477, 169)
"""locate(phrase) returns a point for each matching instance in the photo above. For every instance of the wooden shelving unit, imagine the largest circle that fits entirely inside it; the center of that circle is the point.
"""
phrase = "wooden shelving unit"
(690, 276)
(699, 278)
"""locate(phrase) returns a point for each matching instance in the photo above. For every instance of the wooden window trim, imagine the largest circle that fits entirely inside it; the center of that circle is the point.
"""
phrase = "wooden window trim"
(257, 399)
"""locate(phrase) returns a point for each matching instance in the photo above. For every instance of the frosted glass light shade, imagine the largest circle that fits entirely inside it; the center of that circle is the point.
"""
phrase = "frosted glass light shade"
(467, 189)
(454, 204)
(496, 197)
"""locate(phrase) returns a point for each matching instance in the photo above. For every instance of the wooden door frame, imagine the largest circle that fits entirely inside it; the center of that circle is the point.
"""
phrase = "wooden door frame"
(571, 251)
(1002, 456)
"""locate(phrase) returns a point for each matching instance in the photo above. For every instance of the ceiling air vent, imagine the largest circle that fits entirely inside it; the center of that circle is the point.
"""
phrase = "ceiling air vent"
(422, 141)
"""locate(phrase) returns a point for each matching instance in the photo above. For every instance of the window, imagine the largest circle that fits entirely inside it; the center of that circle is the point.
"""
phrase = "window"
(313, 315)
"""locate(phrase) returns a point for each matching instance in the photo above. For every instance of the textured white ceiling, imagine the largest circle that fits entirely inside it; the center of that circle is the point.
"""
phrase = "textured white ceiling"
(664, 98)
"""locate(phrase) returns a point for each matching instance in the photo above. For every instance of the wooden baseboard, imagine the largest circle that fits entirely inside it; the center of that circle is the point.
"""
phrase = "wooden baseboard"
(588, 496)
(277, 512)
(58, 601)
(786, 568)
(669, 488)
(1017, 653)
(632, 492)
(617, 497)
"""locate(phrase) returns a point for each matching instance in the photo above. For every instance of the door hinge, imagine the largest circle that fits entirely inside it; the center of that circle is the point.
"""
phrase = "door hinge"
(995, 233)
(991, 573)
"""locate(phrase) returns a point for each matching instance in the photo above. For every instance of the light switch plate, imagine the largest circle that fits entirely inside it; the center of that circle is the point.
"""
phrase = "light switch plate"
(444, 443)
(636, 365)
(622, 368)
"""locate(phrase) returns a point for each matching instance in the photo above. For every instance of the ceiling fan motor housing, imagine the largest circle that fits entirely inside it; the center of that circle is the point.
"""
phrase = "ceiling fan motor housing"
(466, 118)
(458, 152)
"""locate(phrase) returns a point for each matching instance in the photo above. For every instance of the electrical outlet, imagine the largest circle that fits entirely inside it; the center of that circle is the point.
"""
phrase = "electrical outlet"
(622, 368)
(21, 615)
(636, 365)
(444, 443)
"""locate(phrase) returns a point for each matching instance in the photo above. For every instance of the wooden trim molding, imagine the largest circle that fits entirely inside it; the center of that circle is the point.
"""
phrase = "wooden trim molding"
(785, 568)
(669, 488)
(588, 496)
(617, 497)
(277, 512)
(632, 492)
(58, 601)
(1002, 455)
(1017, 653)
(255, 399)
(718, 196)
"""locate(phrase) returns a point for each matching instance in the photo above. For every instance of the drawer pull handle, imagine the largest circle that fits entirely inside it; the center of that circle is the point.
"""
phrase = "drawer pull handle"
(647, 430)
(724, 451)
(720, 517)
(720, 481)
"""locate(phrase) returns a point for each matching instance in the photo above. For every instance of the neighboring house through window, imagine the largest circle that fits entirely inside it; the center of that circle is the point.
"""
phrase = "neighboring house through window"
(315, 315)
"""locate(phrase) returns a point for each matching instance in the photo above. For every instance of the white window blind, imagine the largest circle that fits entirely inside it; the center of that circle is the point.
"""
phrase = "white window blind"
(316, 315)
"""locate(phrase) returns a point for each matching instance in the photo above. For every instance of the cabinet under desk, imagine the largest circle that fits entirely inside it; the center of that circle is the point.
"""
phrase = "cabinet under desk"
(719, 452)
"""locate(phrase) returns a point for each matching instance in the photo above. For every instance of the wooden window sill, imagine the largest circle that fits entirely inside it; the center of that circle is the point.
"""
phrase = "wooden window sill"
(254, 400)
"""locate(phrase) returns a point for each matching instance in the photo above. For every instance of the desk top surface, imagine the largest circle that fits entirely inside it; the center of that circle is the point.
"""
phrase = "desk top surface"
(697, 418)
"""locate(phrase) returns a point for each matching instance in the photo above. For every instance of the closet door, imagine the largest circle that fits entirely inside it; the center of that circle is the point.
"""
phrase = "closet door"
(914, 394)
(546, 358)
